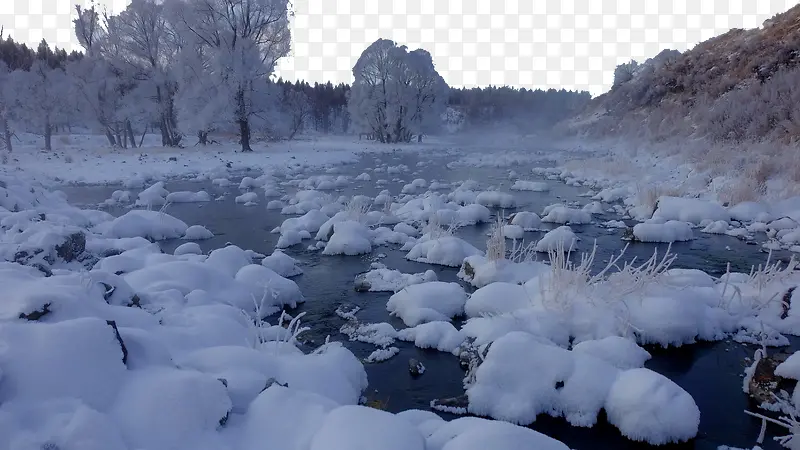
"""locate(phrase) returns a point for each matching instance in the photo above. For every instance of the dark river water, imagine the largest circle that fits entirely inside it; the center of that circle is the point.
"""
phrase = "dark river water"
(710, 372)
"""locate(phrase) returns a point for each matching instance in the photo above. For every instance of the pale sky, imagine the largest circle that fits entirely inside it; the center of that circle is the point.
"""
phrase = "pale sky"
(574, 44)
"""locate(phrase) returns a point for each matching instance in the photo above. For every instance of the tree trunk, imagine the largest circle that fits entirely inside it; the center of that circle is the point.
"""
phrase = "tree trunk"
(6, 134)
(202, 137)
(119, 138)
(244, 123)
(419, 137)
(48, 135)
(110, 137)
(141, 141)
(129, 131)
(166, 139)
(244, 130)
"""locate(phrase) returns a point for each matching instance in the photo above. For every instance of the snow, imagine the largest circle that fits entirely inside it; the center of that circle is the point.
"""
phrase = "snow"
(563, 215)
(247, 198)
(689, 210)
(142, 223)
(479, 271)
(641, 403)
(168, 408)
(282, 264)
(718, 227)
(514, 232)
(382, 354)
(790, 368)
(103, 165)
(154, 195)
(445, 250)
(188, 197)
(380, 334)
(496, 199)
(78, 358)
(440, 335)
(496, 298)
(349, 238)
(473, 433)
(670, 231)
(534, 186)
(263, 282)
(648, 407)
(427, 302)
(387, 280)
(620, 352)
(189, 248)
(561, 238)
(196, 322)
(285, 417)
(197, 233)
(354, 427)
(527, 220)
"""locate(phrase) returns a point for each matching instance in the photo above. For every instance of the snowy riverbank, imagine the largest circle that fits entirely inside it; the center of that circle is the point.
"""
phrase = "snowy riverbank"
(204, 331)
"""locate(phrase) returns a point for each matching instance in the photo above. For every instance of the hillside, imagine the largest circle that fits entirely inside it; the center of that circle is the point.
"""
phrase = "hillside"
(741, 86)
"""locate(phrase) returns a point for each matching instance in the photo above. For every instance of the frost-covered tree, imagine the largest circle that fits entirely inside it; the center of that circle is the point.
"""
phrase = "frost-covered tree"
(39, 99)
(428, 92)
(297, 108)
(396, 94)
(5, 107)
(145, 47)
(95, 82)
(240, 41)
(97, 95)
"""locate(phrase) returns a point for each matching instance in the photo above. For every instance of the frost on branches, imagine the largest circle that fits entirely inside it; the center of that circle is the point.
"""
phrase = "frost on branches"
(396, 93)
(233, 46)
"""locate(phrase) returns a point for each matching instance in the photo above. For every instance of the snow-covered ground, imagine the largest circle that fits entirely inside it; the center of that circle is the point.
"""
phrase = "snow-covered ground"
(110, 343)
(88, 158)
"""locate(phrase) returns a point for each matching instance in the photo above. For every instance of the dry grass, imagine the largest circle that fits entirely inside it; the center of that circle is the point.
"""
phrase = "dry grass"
(648, 194)
(496, 244)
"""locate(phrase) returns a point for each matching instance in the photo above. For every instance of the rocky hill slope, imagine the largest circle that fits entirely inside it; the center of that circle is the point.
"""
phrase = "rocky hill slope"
(742, 86)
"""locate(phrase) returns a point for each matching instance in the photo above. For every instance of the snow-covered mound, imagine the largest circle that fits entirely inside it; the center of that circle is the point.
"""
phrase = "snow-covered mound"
(283, 264)
(428, 302)
(445, 250)
(577, 386)
(496, 199)
(527, 220)
(382, 279)
(564, 215)
(558, 239)
(480, 271)
(188, 197)
(349, 238)
(197, 233)
(142, 223)
(534, 186)
(670, 231)
(439, 335)
(690, 210)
